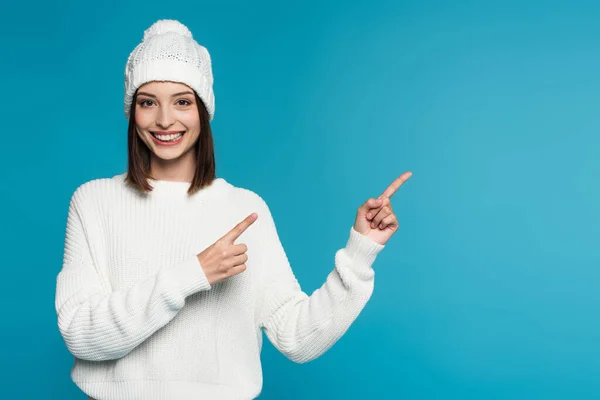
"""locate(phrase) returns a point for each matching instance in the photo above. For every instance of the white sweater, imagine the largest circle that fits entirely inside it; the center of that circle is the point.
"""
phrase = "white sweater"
(136, 310)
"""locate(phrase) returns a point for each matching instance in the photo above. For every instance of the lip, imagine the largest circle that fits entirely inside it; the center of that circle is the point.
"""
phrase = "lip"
(158, 142)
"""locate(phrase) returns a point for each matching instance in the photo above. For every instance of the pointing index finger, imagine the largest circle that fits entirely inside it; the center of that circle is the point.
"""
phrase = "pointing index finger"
(241, 227)
(396, 185)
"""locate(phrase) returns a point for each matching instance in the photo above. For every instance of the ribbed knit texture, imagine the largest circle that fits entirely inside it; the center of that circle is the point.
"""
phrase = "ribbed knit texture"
(136, 310)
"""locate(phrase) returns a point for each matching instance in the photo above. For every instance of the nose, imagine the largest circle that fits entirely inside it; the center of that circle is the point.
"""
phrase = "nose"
(164, 119)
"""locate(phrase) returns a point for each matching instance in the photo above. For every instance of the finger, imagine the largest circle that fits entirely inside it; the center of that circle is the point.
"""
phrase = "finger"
(238, 260)
(238, 249)
(235, 233)
(236, 270)
(371, 204)
(372, 212)
(390, 220)
(396, 185)
(384, 212)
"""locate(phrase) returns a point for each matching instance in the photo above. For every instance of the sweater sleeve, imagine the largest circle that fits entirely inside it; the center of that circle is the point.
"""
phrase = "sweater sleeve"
(100, 324)
(303, 327)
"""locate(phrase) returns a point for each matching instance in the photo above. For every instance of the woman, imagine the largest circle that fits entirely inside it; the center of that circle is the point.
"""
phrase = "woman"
(170, 274)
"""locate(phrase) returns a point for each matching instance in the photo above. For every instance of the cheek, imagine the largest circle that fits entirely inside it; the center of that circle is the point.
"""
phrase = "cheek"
(191, 121)
(143, 118)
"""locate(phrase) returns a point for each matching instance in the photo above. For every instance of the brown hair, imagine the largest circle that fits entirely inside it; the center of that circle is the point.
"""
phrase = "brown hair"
(138, 153)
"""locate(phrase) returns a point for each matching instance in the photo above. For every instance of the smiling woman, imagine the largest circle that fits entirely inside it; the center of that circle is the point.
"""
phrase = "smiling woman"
(155, 298)
(168, 121)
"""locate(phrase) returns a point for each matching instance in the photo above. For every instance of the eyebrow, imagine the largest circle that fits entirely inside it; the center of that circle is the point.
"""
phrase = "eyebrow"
(173, 95)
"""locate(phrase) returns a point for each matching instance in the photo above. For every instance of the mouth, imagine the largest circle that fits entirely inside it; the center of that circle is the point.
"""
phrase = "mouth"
(167, 138)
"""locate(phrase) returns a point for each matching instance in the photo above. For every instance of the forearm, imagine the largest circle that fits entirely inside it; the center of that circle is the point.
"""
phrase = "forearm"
(304, 327)
(100, 325)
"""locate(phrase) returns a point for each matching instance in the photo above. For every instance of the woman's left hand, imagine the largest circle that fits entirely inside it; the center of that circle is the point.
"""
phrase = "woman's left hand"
(376, 219)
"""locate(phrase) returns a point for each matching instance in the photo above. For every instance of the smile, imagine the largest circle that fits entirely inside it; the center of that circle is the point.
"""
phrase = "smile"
(167, 138)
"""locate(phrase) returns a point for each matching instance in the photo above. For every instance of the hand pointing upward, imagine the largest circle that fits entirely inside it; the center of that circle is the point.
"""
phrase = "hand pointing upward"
(375, 218)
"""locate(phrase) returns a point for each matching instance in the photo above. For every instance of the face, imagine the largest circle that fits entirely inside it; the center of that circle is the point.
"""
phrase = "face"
(167, 119)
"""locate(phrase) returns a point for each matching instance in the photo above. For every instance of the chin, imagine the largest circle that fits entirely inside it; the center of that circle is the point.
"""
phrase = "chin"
(168, 155)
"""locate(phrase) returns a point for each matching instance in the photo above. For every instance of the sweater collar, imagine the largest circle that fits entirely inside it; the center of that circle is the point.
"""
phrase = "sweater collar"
(177, 189)
(162, 187)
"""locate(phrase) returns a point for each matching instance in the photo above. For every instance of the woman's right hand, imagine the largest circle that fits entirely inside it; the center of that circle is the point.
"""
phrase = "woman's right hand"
(224, 259)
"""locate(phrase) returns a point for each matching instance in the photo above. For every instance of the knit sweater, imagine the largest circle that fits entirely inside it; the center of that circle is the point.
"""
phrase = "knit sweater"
(137, 312)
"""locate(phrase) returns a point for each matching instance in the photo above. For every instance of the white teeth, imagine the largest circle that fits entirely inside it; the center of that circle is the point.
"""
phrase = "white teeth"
(168, 138)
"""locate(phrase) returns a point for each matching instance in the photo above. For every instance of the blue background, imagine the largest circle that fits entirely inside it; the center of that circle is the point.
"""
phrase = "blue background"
(489, 290)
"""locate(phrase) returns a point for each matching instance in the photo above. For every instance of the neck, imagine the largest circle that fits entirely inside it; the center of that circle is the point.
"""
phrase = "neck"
(180, 169)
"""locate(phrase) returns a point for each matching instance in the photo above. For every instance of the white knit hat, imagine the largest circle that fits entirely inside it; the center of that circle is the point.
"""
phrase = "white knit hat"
(168, 52)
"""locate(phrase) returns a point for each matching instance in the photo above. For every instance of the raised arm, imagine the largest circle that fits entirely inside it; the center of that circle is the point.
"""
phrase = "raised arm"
(300, 326)
(303, 327)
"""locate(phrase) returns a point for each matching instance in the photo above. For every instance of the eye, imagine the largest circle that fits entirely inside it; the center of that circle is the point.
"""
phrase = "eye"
(146, 103)
(183, 102)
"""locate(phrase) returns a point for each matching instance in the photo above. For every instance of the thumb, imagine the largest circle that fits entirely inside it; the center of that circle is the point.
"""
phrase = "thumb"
(369, 205)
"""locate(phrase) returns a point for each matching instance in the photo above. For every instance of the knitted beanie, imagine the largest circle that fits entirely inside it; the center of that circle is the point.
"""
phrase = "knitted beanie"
(168, 52)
